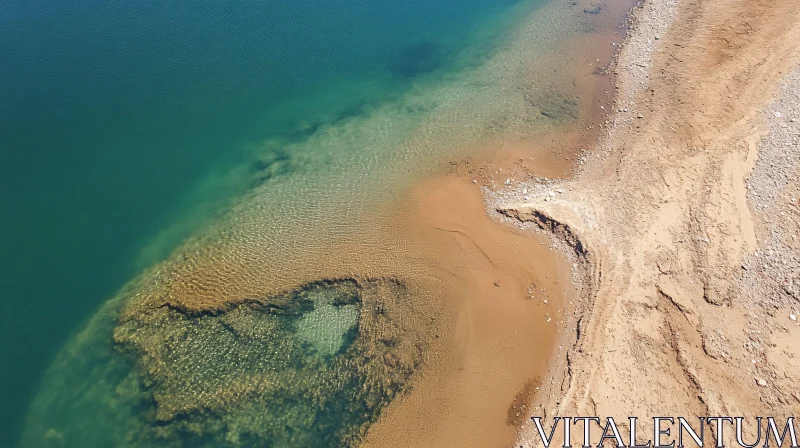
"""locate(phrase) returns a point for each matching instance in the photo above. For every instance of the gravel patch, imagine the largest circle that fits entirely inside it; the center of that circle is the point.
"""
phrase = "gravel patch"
(771, 275)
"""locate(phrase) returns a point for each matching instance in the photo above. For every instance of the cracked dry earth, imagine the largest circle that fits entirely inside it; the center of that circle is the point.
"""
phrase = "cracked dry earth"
(687, 215)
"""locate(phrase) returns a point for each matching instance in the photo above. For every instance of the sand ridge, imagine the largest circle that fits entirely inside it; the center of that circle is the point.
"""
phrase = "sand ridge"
(660, 212)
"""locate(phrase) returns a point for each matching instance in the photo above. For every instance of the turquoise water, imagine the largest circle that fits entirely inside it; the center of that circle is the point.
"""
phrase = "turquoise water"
(196, 248)
(125, 126)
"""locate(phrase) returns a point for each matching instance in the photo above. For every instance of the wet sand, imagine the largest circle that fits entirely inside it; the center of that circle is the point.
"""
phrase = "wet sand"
(504, 328)
(508, 320)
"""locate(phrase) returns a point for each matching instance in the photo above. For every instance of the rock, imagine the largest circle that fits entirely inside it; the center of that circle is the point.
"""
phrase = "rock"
(761, 382)
(551, 193)
(640, 116)
(792, 317)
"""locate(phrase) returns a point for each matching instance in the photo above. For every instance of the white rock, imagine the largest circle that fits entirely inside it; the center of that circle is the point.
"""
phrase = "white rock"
(551, 193)
(792, 317)
(778, 114)
(524, 191)
(761, 382)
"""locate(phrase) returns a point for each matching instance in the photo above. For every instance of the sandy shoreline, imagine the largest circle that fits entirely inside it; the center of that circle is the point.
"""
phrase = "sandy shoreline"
(660, 280)
(510, 323)
(464, 308)
(685, 219)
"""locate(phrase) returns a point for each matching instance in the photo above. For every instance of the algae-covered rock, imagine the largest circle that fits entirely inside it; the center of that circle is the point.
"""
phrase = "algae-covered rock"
(313, 368)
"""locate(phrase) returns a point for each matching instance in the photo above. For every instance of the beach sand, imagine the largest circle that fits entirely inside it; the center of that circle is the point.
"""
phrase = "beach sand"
(510, 319)
(503, 336)
(684, 218)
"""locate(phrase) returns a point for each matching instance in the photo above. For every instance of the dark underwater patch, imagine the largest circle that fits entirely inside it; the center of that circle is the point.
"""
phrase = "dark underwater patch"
(593, 10)
(275, 162)
(418, 59)
(555, 106)
(265, 373)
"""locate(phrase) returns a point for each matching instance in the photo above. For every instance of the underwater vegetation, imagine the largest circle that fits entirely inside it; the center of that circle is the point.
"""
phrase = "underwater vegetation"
(309, 367)
(417, 59)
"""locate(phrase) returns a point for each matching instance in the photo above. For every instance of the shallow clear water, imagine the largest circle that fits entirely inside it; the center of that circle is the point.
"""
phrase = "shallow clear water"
(121, 121)
(265, 131)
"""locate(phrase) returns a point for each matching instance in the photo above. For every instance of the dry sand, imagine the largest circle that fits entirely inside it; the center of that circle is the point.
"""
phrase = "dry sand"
(683, 223)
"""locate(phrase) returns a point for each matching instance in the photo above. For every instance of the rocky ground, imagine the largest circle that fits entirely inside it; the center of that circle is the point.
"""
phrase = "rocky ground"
(770, 279)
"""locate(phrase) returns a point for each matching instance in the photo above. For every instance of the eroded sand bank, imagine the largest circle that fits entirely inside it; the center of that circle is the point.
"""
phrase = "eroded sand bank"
(688, 256)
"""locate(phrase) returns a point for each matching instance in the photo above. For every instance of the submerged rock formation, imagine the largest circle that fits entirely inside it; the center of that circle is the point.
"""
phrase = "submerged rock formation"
(308, 367)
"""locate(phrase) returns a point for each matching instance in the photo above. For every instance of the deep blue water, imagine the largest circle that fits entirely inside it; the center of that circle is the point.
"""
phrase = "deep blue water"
(114, 116)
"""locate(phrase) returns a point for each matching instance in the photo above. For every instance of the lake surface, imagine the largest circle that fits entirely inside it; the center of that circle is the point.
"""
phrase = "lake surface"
(251, 135)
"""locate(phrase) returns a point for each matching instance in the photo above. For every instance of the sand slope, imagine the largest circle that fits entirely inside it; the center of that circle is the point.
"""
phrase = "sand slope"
(668, 325)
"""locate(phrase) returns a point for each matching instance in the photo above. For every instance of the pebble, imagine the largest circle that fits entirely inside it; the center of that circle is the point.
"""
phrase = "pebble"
(792, 317)
(761, 382)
